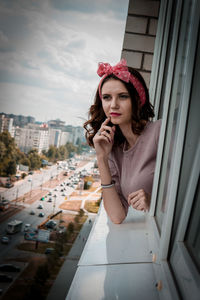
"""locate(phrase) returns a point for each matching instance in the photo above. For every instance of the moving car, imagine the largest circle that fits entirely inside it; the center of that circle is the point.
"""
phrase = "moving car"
(9, 268)
(32, 212)
(5, 240)
(40, 206)
(41, 215)
(27, 227)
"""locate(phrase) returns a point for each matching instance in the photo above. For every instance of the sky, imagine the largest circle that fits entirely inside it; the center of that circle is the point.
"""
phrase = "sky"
(49, 53)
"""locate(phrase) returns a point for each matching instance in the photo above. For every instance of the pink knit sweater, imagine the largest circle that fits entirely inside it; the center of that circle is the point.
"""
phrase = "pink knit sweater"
(134, 169)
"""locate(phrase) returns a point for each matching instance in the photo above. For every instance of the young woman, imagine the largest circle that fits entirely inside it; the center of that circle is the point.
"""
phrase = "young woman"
(125, 139)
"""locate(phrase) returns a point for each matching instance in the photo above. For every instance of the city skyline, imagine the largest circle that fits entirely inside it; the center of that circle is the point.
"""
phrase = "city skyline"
(9, 115)
(49, 53)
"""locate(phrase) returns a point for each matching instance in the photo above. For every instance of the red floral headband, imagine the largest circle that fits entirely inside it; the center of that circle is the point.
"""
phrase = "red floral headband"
(121, 71)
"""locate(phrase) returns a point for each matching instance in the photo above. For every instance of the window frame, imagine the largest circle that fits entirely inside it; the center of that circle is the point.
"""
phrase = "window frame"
(179, 249)
(160, 240)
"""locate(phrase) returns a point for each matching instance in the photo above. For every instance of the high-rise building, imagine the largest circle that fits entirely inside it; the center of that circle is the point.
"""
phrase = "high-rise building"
(32, 137)
(6, 124)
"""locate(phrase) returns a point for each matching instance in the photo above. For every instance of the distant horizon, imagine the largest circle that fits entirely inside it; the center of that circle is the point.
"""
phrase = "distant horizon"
(58, 119)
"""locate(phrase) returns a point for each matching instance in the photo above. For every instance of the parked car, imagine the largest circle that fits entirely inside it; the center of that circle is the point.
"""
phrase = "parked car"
(40, 206)
(51, 224)
(41, 215)
(5, 240)
(49, 250)
(42, 199)
(50, 200)
(5, 278)
(9, 185)
(9, 268)
(32, 212)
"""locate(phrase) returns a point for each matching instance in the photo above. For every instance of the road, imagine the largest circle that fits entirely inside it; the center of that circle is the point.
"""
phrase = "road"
(30, 182)
(48, 207)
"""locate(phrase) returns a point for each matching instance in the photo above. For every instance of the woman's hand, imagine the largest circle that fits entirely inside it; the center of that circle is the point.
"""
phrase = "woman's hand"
(139, 200)
(104, 138)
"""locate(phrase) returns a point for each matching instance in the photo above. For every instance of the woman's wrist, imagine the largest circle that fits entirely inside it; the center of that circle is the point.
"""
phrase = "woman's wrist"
(102, 158)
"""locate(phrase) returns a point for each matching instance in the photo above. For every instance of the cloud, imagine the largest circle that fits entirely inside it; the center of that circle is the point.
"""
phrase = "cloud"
(50, 50)
(117, 8)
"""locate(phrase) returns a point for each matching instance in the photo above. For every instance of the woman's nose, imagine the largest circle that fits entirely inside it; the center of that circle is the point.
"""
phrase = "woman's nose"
(114, 102)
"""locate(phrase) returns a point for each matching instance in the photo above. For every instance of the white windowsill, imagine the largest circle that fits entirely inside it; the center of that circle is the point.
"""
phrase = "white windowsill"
(116, 262)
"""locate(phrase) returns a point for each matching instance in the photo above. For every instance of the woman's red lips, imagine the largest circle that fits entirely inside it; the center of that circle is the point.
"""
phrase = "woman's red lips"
(115, 114)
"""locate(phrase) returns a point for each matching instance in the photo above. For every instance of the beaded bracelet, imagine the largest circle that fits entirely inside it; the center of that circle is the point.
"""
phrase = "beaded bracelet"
(106, 186)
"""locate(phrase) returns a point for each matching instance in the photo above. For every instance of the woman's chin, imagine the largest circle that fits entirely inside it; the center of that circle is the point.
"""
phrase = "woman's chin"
(114, 121)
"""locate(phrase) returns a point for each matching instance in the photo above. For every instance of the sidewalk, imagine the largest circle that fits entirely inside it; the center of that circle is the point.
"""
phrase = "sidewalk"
(64, 279)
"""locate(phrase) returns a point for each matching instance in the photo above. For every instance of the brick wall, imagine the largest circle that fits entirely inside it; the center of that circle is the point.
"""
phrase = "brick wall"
(140, 33)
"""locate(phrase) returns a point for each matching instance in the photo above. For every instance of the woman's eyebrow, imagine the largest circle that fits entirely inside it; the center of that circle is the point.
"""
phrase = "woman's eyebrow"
(123, 93)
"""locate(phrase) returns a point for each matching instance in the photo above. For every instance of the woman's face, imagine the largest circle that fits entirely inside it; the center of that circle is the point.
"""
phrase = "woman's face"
(116, 102)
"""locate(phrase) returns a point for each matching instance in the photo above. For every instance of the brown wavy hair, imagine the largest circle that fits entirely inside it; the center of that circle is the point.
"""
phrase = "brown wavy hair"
(140, 114)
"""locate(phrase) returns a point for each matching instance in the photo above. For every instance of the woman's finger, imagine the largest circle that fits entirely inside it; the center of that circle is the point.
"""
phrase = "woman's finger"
(133, 199)
(106, 128)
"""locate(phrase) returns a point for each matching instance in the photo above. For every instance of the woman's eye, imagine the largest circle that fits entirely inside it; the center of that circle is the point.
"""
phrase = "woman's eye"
(106, 97)
(124, 96)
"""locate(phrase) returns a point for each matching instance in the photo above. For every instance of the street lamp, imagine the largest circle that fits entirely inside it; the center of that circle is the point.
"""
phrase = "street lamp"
(54, 204)
(31, 180)
(17, 192)
(42, 183)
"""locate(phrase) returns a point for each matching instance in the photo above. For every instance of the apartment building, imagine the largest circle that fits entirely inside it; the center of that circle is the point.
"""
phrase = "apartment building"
(156, 255)
(32, 137)
(6, 124)
(54, 137)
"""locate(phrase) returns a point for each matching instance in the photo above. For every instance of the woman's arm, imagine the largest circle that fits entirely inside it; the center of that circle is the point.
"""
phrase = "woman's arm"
(103, 142)
(111, 199)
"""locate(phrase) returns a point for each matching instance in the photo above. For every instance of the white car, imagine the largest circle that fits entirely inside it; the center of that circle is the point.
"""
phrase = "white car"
(27, 227)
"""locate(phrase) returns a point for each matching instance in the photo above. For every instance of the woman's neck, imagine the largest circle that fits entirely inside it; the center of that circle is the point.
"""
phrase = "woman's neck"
(129, 136)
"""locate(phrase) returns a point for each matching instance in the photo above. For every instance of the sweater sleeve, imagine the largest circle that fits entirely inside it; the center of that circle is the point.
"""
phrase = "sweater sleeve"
(116, 177)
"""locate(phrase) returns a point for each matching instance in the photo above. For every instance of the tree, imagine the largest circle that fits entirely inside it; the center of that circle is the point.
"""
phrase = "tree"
(2, 150)
(51, 153)
(63, 152)
(8, 154)
(11, 167)
(35, 159)
(81, 212)
(70, 148)
(71, 227)
(26, 162)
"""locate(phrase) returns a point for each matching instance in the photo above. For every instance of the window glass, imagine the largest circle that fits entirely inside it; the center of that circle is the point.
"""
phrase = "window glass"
(167, 59)
(173, 119)
(192, 239)
(191, 142)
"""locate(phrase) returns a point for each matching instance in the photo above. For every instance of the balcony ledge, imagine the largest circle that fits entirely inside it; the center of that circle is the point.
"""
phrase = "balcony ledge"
(116, 262)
